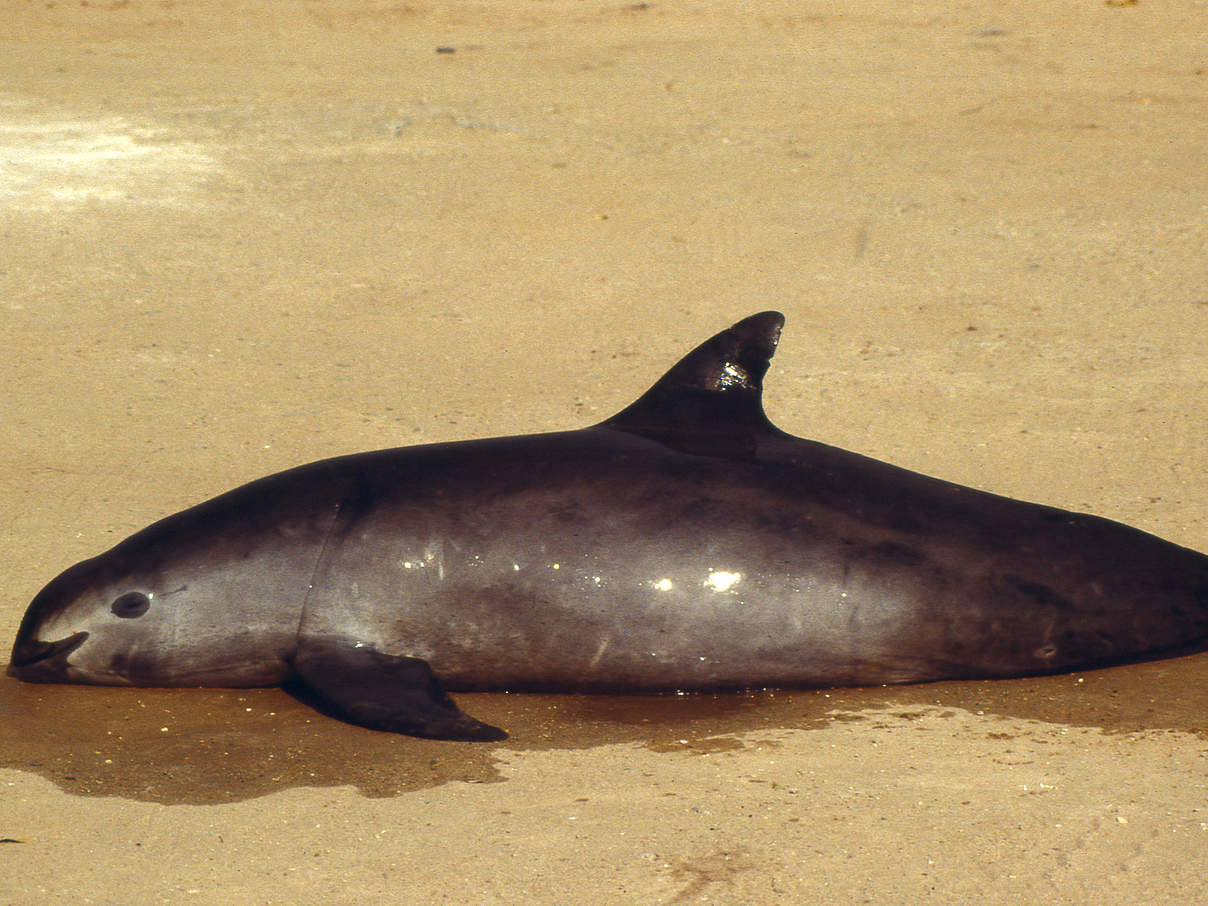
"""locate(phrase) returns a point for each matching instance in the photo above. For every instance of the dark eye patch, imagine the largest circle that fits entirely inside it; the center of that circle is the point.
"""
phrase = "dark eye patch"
(130, 605)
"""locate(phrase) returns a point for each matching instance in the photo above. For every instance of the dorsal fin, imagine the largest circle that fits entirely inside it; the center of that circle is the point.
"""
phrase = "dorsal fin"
(711, 401)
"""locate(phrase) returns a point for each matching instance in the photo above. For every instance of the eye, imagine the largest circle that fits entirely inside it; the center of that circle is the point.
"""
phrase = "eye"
(130, 605)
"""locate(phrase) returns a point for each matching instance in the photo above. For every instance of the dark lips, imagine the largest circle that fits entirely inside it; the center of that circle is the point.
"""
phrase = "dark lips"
(33, 661)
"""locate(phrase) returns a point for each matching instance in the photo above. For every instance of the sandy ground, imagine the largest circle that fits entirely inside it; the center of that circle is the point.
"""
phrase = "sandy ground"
(241, 236)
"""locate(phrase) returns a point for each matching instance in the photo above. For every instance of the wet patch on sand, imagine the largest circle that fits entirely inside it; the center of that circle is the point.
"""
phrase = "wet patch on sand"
(206, 746)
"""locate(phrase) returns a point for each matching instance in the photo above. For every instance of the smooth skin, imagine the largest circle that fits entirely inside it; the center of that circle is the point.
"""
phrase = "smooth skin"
(684, 544)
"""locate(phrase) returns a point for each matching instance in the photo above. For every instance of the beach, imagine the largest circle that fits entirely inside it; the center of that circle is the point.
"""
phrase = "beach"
(243, 236)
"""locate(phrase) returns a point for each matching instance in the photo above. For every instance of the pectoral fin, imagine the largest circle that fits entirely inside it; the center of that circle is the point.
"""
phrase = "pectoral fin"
(384, 692)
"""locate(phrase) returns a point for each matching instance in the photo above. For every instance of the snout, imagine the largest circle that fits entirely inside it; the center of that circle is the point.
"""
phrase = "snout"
(43, 662)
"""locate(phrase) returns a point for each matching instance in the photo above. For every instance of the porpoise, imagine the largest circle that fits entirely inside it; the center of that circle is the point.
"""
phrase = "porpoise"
(684, 544)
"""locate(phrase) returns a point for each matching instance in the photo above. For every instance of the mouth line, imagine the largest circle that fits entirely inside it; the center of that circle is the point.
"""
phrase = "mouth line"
(31, 654)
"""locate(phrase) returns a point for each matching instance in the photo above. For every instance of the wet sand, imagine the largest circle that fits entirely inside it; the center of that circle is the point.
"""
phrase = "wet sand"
(238, 237)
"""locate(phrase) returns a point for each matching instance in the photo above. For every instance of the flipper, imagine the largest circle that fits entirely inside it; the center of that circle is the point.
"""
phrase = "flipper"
(383, 692)
(711, 401)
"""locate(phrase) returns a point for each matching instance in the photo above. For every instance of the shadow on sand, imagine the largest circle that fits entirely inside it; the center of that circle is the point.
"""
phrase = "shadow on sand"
(202, 746)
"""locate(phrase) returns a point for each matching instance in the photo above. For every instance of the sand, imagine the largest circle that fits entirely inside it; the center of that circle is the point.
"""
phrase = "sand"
(242, 236)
